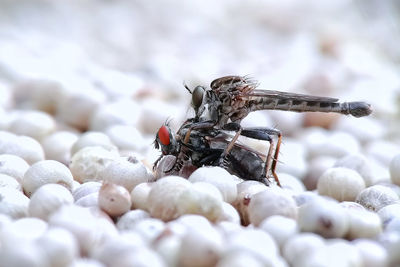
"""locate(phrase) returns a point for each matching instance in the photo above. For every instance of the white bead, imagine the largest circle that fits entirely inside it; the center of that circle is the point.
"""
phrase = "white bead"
(77, 107)
(395, 169)
(291, 183)
(123, 111)
(376, 197)
(389, 212)
(292, 158)
(254, 241)
(125, 172)
(9, 182)
(200, 198)
(13, 166)
(360, 164)
(316, 167)
(126, 138)
(114, 199)
(272, 201)
(93, 139)
(126, 221)
(46, 172)
(148, 228)
(86, 189)
(89, 229)
(88, 162)
(363, 224)
(23, 146)
(323, 217)
(229, 213)
(220, 178)
(391, 242)
(280, 228)
(246, 190)
(60, 246)
(35, 124)
(342, 184)
(57, 146)
(13, 202)
(372, 253)
(139, 196)
(162, 200)
(299, 247)
(22, 231)
(47, 199)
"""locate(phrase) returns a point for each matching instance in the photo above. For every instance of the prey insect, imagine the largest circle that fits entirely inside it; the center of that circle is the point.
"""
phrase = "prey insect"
(230, 99)
(206, 147)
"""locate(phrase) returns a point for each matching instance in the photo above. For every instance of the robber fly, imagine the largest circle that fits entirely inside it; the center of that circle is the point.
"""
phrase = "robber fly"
(206, 147)
(232, 98)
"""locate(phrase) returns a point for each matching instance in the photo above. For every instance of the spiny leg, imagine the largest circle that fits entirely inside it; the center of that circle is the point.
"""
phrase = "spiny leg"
(263, 133)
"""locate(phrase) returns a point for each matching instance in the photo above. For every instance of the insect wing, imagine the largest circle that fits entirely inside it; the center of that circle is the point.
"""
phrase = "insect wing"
(286, 95)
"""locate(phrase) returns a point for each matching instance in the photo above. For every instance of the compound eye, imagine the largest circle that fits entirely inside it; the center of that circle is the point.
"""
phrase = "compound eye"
(163, 135)
(197, 96)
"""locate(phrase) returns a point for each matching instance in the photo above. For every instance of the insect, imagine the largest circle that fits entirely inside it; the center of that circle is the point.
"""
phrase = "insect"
(205, 147)
(232, 98)
(222, 107)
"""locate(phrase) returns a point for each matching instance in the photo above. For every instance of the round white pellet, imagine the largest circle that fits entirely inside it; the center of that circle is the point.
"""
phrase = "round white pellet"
(9, 182)
(376, 197)
(220, 178)
(90, 200)
(240, 259)
(35, 124)
(77, 107)
(126, 221)
(127, 172)
(229, 213)
(59, 246)
(143, 256)
(390, 240)
(393, 225)
(23, 254)
(163, 198)
(363, 224)
(123, 112)
(47, 199)
(114, 199)
(389, 212)
(88, 162)
(298, 247)
(336, 253)
(139, 196)
(200, 247)
(254, 241)
(200, 198)
(113, 248)
(93, 139)
(291, 183)
(272, 201)
(342, 184)
(168, 247)
(13, 166)
(395, 169)
(280, 228)
(57, 146)
(316, 167)
(22, 231)
(382, 150)
(372, 253)
(360, 164)
(86, 189)
(23, 146)
(46, 172)
(323, 217)
(126, 138)
(89, 229)
(13, 203)
(85, 262)
(246, 190)
(149, 229)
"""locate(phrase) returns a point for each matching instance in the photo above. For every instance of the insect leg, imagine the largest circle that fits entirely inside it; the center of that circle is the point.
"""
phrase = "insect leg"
(263, 133)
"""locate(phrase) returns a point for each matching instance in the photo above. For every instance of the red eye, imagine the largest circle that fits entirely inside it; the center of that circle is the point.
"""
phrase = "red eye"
(163, 134)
